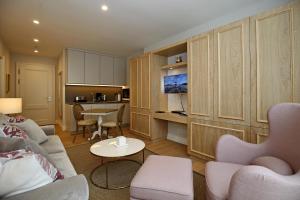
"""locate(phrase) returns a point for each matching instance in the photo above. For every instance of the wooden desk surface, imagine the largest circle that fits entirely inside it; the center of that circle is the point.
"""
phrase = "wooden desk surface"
(172, 117)
(99, 110)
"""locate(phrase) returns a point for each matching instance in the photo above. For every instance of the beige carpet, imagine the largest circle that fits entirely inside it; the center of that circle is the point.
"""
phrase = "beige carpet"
(120, 173)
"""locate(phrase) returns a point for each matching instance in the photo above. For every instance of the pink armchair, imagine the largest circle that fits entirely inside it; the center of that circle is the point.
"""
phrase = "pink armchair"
(232, 176)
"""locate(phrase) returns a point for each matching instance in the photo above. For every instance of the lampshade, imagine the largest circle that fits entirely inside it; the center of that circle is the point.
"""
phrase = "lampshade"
(10, 105)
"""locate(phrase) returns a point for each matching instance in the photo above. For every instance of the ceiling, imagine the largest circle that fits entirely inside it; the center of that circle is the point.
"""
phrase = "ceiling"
(127, 27)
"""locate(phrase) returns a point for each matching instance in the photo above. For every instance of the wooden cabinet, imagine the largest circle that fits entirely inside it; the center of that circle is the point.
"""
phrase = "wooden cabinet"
(275, 60)
(75, 65)
(107, 70)
(200, 69)
(144, 74)
(119, 71)
(133, 65)
(204, 135)
(91, 68)
(232, 73)
(140, 123)
(140, 95)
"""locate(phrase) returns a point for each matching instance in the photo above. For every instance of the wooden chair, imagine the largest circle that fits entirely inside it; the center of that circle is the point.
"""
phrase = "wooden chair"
(81, 122)
(114, 124)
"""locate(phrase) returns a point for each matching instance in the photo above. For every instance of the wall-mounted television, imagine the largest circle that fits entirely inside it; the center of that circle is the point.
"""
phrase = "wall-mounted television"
(175, 83)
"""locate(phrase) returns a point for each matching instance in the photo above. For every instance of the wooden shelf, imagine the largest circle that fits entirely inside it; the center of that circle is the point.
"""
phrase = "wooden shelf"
(172, 117)
(174, 66)
(172, 50)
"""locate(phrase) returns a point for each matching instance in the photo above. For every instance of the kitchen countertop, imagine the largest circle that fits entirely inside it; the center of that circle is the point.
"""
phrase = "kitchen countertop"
(99, 102)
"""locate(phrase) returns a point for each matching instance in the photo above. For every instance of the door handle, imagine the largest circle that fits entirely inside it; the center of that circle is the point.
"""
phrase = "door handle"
(49, 99)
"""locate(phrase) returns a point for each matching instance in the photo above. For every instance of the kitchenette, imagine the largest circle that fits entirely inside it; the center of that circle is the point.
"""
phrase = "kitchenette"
(95, 80)
(95, 97)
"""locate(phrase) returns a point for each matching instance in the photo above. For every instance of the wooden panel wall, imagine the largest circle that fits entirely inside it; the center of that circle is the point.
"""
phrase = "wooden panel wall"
(201, 75)
(232, 73)
(274, 73)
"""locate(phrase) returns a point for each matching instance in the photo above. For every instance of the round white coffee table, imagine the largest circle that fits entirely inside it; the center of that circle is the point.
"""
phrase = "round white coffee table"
(108, 149)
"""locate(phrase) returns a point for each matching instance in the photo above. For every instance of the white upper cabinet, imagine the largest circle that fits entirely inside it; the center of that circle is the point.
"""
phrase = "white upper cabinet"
(92, 68)
(119, 71)
(75, 65)
(107, 70)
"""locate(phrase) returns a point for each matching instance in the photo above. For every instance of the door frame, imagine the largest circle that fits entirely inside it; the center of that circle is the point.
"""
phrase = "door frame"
(19, 66)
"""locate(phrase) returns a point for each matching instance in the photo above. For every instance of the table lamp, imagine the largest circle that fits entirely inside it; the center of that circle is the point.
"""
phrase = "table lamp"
(10, 105)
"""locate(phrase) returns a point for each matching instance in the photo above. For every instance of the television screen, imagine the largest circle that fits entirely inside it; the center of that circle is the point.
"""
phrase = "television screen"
(175, 83)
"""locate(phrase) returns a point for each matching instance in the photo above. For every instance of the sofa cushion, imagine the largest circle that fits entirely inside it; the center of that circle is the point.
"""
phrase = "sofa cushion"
(275, 164)
(23, 170)
(163, 177)
(12, 144)
(63, 163)
(218, 176)
(33, 130)
(53, 145)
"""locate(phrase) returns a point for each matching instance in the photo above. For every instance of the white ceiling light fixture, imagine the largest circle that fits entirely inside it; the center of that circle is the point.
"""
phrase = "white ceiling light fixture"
(35, 21)
(36, 40)
(104, 7)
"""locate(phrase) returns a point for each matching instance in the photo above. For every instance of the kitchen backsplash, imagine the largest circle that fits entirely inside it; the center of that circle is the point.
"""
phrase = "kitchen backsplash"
(87, 91)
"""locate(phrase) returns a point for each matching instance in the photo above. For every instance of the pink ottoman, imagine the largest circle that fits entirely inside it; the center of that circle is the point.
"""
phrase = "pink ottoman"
(163, 178)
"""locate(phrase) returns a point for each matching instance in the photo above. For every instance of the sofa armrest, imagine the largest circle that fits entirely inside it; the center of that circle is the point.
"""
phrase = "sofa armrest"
(232, 149)
(75, 188)
(49, 129)
(256, 182)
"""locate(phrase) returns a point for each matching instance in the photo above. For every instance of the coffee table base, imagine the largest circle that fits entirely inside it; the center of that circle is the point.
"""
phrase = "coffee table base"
(106, 165)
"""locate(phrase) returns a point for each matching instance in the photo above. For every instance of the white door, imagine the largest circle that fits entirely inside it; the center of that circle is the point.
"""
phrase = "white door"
(35, 85)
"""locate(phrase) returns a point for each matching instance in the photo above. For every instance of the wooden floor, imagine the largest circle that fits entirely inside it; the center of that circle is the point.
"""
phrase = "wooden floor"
(161, 146)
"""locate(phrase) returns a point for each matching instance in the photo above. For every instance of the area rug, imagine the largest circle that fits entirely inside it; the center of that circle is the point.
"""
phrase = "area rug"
(119, 174)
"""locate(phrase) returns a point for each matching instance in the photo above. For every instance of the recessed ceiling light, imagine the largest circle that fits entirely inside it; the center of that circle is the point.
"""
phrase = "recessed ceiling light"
(104, 7)
(36, 51)
(36, 21)
(35, 40)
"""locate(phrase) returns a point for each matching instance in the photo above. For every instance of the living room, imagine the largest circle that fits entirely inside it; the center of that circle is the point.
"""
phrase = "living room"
(105, 99)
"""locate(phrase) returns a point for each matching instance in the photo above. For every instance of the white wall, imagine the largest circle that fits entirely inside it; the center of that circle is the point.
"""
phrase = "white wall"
(5, 54)
(261, 6)
(15, 58)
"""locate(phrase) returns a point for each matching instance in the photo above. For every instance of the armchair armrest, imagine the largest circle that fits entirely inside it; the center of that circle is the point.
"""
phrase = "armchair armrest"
(49, 129)
(75, 188)
(232, 149)
(256, 182)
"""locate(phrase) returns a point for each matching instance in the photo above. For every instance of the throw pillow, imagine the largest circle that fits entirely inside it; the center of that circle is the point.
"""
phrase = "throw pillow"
(9, 130)
(275, 164)
(3, 118)
(16, 119)
(23, 170)
(33, 130)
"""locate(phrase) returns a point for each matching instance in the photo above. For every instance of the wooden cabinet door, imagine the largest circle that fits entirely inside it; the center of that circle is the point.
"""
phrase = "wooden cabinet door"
(204, 135)
(92, 68)
(107, 70)
(144, 90)
(133, 65)
(140, 123)
(275, 63)
(75, 63)
(200, 54)
(232, 73)
(119, 71)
